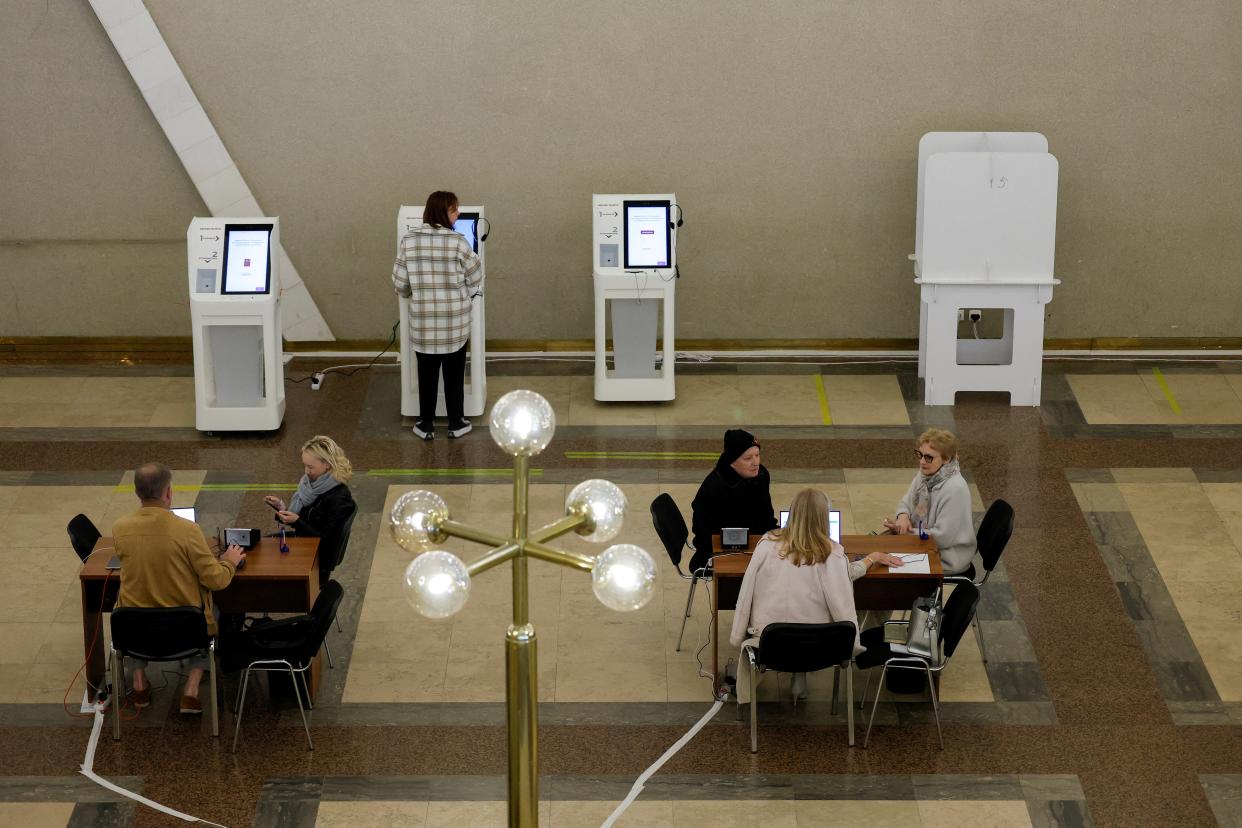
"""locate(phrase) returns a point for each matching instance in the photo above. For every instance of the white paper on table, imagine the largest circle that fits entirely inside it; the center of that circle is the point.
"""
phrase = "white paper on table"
(916, 564)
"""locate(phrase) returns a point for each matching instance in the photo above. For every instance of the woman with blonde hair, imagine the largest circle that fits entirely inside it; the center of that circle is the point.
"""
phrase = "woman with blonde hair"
(938, 502)
(322, 501)
(797, 575)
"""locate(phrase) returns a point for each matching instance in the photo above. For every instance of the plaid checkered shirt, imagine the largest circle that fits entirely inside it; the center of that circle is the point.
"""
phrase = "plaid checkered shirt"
(439, 273)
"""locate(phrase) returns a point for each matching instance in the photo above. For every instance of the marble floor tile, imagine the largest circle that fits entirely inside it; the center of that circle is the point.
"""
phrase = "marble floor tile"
(779, 400)
(847, 813)
(480, 814)
(36, 814)
(865, 400)
(354, 814)
(581, 814)
(1190, 387)
(585, 410)
(20, 642)
(1099, 497)
(978, 814)
(773, 813)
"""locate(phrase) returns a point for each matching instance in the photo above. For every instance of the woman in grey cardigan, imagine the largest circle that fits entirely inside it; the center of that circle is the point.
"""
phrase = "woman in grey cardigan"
(938, 502)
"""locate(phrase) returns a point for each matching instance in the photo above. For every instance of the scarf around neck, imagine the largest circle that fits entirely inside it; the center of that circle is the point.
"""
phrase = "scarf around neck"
(311, 490)
(928, 484)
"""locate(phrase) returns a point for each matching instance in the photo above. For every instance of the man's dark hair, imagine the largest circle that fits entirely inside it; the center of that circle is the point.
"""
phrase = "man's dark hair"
(151, 480)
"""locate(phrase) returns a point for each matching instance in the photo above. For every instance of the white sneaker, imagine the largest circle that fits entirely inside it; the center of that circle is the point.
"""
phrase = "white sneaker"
(424, 431)
(461, 430)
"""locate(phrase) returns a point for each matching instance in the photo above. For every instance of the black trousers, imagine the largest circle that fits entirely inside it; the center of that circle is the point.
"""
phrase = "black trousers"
(429, 368)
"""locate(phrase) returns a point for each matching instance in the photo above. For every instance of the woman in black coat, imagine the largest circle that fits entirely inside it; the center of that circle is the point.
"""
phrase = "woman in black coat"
(323, 502)
(736, 493)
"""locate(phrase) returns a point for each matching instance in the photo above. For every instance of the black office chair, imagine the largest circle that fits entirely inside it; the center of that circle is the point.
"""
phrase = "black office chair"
(332, 548)
(956, 617)
(159, 634)
(288, 645)
(803, 648)
(83, 535)
(671, 527)
(994, 533)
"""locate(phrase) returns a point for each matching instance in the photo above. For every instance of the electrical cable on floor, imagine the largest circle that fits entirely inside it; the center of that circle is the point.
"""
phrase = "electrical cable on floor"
(659, 763)
(87, 769)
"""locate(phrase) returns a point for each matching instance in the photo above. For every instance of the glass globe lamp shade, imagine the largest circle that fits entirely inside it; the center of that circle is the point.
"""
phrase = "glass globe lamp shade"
(522, 423)
(624, 577)
(437, 584)
(603, 504)
(415, 519)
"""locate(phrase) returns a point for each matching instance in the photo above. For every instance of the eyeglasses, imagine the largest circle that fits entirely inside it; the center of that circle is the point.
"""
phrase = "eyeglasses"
(930, 458)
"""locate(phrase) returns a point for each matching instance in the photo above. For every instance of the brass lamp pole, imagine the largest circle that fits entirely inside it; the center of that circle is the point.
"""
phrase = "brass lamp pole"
(437, 582)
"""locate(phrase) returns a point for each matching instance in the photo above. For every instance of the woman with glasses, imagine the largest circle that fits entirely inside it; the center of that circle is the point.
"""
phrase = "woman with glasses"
(798, 575)
(938, 502)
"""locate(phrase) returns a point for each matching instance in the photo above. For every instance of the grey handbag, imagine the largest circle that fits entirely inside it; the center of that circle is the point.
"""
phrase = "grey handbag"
(924, 637)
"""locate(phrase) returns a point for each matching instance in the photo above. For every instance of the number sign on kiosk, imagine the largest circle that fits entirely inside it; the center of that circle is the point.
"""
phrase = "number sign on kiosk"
(234, 284)
(635, 273)
(474, 227)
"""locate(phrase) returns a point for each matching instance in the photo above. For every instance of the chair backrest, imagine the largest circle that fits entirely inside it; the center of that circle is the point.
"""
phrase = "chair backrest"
(322, 614)
(159, 633)
(994, 532)
(958, 612)
(83, 535)
(670, 526)
(332, 545)
(805, 648)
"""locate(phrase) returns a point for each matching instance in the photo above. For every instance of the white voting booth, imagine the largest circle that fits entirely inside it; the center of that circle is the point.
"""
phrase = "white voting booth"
(985, 235)
(635, 259)
(473, 226)
(234, 282)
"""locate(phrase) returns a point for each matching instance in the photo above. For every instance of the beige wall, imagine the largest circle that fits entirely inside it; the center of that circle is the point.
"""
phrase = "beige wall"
(788, 131)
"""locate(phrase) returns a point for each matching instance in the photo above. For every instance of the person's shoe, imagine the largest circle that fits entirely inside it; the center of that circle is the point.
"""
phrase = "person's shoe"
(423, 431)
(140, 698)
(191, 705)
(460, 430)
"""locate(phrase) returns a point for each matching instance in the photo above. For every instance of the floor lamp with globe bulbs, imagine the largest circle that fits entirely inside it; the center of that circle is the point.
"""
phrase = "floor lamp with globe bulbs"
(437, 583)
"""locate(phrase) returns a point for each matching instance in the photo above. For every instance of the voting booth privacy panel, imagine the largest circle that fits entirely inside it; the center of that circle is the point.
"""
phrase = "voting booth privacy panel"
(234, 285)
(472, 224)
(985, 237)
(634, 242)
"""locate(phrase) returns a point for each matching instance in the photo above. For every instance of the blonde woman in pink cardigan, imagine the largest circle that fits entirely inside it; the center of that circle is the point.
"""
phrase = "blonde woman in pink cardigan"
(798, 575)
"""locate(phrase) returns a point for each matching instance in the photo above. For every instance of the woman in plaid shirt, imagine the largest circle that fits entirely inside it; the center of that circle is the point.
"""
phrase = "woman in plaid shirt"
(440, 274)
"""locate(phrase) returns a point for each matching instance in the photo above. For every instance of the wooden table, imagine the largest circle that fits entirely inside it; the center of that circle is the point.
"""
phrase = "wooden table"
(881, 589)
(271, 581)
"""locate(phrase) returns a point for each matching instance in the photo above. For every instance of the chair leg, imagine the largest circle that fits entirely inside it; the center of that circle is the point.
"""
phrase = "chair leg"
(849, 698)
(339, 628)
(241, 705)
(118, 693)
(836, 688)
(754, 710)
(979, 636)
(310, 705)
(328, 652)
(694, 582)
(875, 704)
(305, 725)
(931, 688)
(862, 700)
(215, 703)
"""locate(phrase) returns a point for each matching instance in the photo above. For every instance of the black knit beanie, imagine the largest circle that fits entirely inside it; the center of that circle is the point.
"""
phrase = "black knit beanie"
(736, 443)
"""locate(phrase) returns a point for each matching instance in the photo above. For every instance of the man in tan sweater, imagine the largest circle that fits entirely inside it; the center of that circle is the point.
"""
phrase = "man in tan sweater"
(165, 562)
